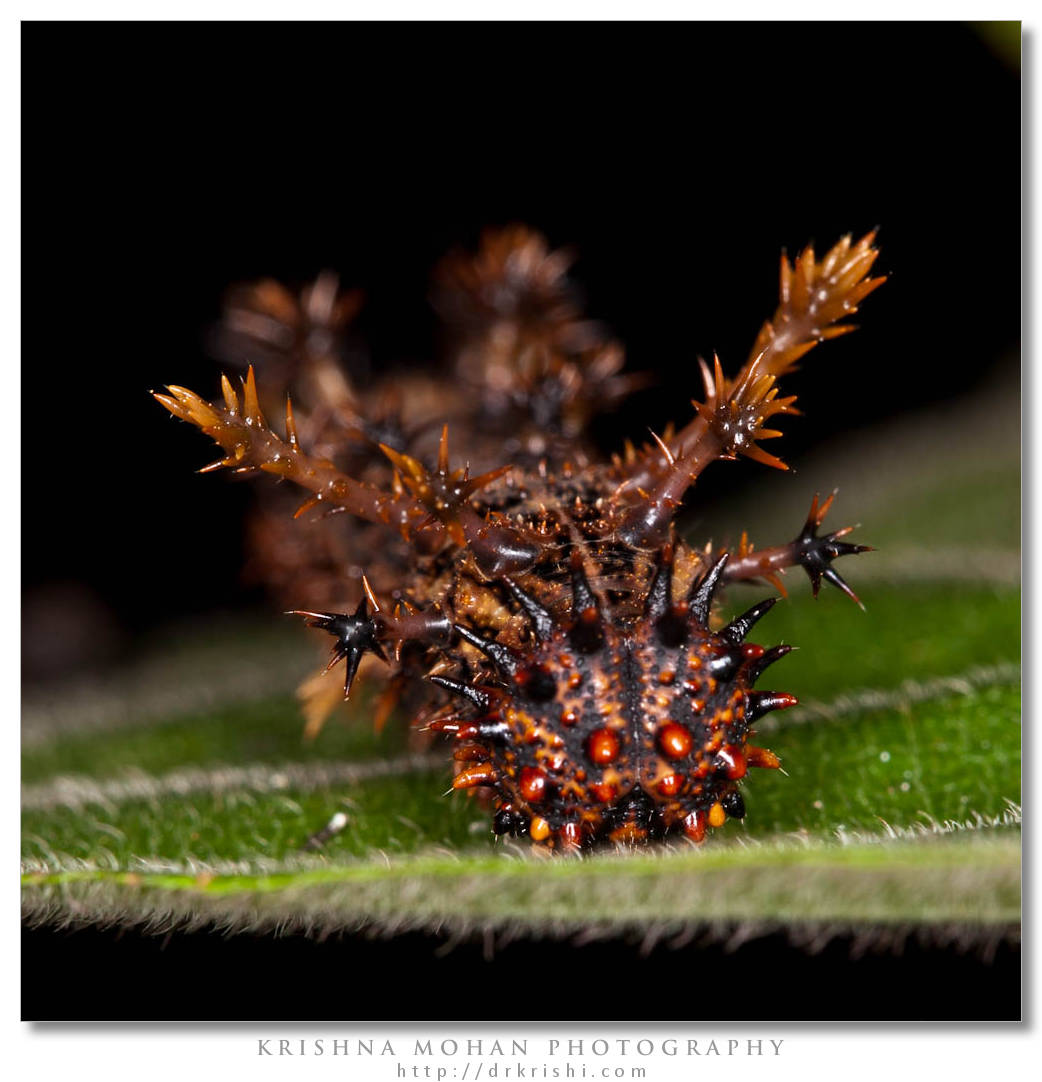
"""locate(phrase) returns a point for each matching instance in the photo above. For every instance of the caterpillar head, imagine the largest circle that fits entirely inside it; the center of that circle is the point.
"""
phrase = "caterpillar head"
(616, 727)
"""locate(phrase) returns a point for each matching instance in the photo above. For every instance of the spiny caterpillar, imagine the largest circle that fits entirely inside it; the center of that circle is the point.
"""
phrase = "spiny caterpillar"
(534, 603)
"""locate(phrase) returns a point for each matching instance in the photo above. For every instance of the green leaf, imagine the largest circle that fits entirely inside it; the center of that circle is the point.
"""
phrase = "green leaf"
(948, 881)
(865, 781)
(898, 804)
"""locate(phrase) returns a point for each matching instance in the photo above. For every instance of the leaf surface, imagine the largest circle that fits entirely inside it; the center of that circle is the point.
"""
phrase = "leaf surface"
(898, 805)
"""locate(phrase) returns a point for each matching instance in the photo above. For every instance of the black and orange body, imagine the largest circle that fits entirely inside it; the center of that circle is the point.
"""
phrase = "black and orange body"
(626, 728)
(534, 604)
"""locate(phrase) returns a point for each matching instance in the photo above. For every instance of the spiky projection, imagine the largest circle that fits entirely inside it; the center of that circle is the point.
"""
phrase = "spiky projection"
(531, 603)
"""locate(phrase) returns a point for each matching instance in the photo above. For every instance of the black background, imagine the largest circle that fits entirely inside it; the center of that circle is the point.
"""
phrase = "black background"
(161, 163)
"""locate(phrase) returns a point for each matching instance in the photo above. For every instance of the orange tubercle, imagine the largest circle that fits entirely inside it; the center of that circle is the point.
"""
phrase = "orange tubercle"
(674, 740)
(479, 774)
(539, 829)
(762, 757)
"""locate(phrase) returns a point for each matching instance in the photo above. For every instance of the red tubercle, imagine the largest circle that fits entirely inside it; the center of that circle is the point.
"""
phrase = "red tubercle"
(733, 760)
(602, 747)
(533, 784)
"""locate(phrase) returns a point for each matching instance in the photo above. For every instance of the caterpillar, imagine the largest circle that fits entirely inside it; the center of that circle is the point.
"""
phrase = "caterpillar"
(462, 539)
